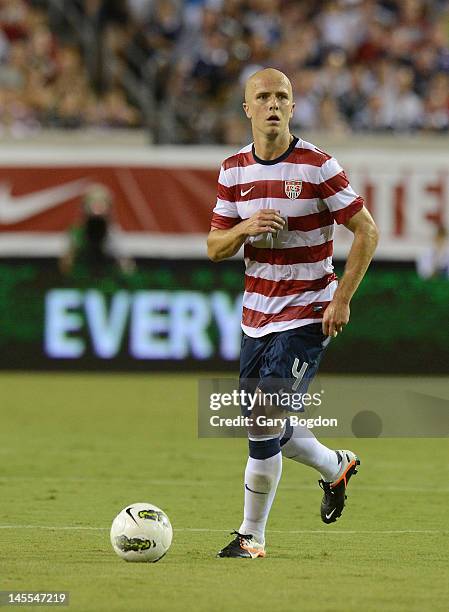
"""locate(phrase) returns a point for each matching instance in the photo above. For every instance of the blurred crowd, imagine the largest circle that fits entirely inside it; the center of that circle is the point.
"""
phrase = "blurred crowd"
(44, 81)
(355, 65)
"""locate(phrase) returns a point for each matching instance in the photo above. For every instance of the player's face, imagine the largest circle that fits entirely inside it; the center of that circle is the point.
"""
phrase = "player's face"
(269, 104)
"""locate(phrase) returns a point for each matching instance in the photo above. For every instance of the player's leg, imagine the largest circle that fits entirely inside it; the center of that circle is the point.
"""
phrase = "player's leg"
(304, 350)
(264, 465)
(263, 469)
(262, 474)
(291, 363)
(299, 444)
(335, 473)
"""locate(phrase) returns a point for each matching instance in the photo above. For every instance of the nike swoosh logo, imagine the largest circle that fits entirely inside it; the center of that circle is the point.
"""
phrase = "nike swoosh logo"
(258, 492)
(244, 193)
(128, 511)
(328, 516)
(14, 209)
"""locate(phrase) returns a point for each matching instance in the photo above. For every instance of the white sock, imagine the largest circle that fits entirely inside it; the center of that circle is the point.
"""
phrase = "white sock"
(261, 481)
(305, 448)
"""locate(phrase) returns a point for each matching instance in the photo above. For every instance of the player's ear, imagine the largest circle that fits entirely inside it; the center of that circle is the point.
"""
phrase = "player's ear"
(246, 109)
(293, 108)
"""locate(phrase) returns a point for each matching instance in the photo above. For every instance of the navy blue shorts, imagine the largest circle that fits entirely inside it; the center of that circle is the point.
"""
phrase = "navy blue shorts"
(282, 362)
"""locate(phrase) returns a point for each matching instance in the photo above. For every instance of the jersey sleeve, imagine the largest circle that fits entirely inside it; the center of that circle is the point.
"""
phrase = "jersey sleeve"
(225, 213)
(336, 192)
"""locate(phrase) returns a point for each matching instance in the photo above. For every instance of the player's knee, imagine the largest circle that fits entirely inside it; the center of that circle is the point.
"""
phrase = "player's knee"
(262, 429)
(266, 420)
(264, 449)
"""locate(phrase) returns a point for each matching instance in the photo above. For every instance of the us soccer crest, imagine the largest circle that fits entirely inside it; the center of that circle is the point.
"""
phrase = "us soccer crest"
(293, 189)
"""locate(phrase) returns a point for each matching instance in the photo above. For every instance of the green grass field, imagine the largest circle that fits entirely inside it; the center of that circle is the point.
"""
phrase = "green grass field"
(75, 449)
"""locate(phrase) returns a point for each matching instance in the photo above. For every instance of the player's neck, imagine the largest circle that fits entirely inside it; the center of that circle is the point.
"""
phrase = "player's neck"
(267, 149)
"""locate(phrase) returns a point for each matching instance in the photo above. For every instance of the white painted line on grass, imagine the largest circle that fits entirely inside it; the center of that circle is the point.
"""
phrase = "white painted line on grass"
(55, 528)
(205, 530)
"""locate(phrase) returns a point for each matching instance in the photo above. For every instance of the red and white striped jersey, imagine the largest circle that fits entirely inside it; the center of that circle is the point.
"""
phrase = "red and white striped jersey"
(289, 278)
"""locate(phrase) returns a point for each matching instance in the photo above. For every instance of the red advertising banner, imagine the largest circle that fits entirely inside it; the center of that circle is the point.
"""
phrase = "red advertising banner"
(146, 199)
(163, 198)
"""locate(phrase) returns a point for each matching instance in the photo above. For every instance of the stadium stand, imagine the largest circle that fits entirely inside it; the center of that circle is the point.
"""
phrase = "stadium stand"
(177, 67)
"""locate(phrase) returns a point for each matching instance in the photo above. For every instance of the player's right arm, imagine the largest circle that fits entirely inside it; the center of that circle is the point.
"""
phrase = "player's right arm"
(224, 243)
(228, 231)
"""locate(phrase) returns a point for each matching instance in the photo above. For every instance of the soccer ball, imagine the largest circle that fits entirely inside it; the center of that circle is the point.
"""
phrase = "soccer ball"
(141, 532)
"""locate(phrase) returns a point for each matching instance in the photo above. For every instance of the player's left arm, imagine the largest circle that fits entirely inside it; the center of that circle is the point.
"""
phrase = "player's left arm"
(366, 236)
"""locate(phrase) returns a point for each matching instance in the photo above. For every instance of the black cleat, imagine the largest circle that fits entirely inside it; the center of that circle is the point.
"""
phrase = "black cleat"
(243, 546)
(334, 496)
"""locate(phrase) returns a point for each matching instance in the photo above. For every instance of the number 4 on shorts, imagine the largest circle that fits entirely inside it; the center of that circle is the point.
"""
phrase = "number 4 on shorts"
(298, 375)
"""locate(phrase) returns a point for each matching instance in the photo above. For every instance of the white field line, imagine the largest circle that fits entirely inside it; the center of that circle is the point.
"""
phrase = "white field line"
(203, 530)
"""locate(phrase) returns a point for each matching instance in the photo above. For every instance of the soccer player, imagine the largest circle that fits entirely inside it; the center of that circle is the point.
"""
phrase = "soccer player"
(280, 197)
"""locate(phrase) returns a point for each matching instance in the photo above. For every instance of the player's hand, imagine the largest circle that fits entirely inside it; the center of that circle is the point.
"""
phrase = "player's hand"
(263, 221)
(335, 317)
